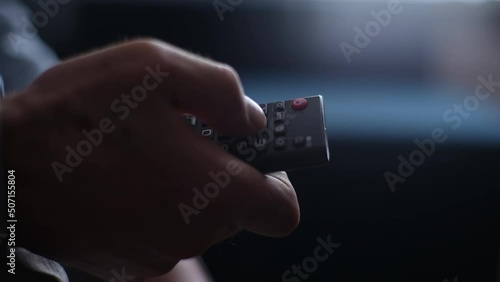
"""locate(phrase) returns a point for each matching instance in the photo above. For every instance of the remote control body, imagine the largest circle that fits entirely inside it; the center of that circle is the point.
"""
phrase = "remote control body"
(295, 137)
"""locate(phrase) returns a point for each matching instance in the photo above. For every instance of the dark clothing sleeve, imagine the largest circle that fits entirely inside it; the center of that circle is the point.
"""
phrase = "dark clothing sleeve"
(23, 57)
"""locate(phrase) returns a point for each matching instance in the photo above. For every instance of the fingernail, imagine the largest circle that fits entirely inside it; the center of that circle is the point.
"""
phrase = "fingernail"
(255, 114)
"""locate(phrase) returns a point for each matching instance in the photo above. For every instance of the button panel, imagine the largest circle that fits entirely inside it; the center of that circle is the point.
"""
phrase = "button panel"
(261, 144)
(207, 132)
(264, 108)
(279, 137)
(225, 147)
(279, 117)
(279, 106)
(242, 145)
(280, 129)
(280, 143)
(223, 138)
(299, 141)
(190, 119)
(299, 104)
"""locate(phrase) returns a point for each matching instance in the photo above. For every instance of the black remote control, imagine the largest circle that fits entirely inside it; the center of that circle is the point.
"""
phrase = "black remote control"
(295, 137)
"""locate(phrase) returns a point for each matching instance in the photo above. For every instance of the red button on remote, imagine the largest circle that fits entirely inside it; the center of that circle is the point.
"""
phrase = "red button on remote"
(299, 104)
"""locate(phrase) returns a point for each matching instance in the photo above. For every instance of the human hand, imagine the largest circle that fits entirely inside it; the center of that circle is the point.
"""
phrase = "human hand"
(104, 160)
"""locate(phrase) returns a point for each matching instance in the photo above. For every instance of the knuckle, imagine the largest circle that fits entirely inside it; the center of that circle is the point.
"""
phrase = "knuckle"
(147, 44)
(149, 49)
(45, 81)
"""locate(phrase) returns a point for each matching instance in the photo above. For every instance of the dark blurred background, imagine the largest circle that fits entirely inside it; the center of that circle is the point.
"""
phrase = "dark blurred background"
(444, 220)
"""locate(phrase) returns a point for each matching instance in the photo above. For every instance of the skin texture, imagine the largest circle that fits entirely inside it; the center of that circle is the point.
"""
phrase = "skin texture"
(185, 271)
(118, 208)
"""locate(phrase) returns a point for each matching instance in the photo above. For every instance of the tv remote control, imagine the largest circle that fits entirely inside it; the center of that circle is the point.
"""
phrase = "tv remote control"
(295, 137)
